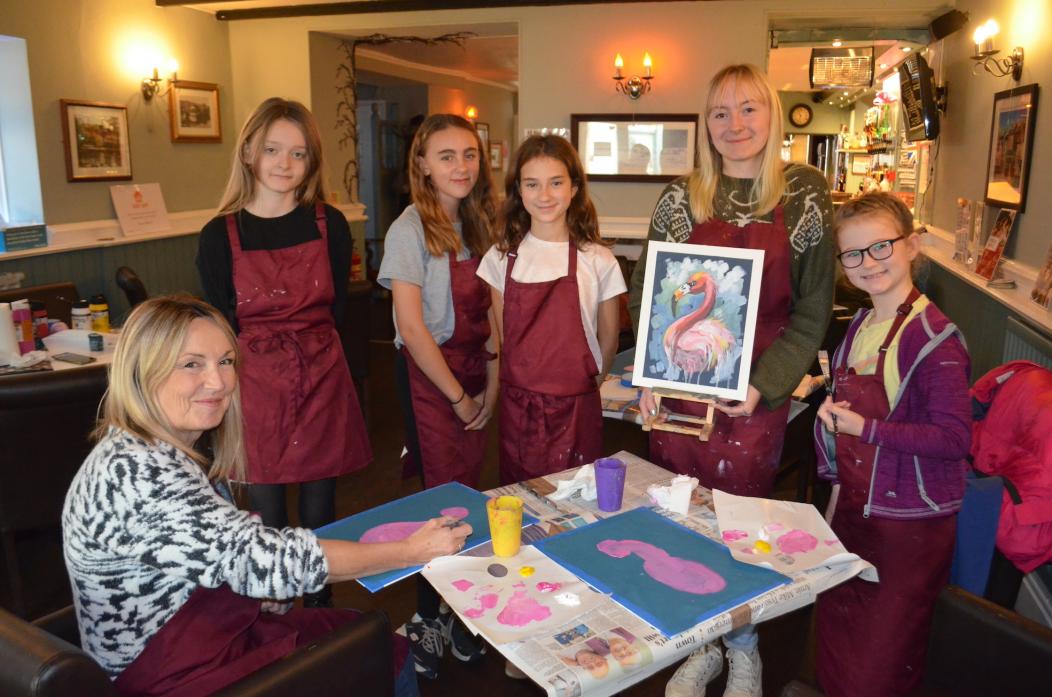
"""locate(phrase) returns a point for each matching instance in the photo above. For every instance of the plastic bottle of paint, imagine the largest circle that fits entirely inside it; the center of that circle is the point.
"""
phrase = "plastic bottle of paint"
(40, 328)
(23, 318)
(81, 315)
(100, 314)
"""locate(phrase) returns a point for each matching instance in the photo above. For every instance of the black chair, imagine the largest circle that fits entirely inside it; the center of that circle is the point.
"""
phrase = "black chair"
(131, 284)
(976, 649)
(45, 422)
(43, 659)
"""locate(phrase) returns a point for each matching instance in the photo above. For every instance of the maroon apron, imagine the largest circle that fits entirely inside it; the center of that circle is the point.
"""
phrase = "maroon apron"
(742, 453)
(302, 419)
(219, 637)
(550, 414)
(449, 452)
(872, 637)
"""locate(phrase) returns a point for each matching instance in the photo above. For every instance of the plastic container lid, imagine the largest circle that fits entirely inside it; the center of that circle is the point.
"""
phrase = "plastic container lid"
(99, 299)
(80, 305)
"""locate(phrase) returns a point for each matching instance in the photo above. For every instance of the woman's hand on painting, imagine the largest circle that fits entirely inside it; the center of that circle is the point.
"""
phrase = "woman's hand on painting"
(745, 408)
(436, 538)
(837, 417)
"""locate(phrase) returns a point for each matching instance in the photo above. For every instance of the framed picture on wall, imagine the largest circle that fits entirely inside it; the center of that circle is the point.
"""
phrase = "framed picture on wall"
(1011, 142)
(483, 130)
(496, 155)
(193, 110)
(95, 136)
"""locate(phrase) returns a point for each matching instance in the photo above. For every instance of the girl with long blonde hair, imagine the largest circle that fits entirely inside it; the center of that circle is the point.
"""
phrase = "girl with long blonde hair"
(275, 262)
(446, 366)
(743, 195)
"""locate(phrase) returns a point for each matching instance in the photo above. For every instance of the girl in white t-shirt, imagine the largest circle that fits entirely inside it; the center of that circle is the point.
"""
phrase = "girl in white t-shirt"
(555, 286)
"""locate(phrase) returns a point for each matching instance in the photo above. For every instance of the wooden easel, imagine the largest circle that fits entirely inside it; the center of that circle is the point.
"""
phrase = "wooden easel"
(702, 427)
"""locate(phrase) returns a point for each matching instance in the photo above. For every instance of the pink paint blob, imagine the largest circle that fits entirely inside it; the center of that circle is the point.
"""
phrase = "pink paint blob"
(830, 543)
(462, 584)
(797, 542)
(546, 587)
(397, 531)
(748, 550)
(522, 609)
(682, 574)
(774, 527)
(487, 601)
(734, 535)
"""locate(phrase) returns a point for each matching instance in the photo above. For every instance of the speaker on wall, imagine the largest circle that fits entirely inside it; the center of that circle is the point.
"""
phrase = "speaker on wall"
(946, 24)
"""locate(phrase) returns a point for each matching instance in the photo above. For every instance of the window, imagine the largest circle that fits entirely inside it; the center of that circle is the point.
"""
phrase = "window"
(20, 200)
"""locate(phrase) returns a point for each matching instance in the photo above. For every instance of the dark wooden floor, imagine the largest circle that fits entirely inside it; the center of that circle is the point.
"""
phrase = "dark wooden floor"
(785, 642)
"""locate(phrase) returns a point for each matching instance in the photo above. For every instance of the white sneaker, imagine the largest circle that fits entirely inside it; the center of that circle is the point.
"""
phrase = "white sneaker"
(744, 677)
(696, 672)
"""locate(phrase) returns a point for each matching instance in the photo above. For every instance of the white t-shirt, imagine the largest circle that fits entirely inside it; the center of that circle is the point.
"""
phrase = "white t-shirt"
(598, 276)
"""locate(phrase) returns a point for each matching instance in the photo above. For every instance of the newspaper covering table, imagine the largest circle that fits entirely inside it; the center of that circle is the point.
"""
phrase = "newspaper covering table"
(609, 649)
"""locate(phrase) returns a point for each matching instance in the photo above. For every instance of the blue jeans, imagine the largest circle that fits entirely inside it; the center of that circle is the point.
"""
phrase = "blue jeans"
(742, 638)
(405, 681)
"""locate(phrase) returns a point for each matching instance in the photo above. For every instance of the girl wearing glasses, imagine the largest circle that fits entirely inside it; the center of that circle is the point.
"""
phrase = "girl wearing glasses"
(894, 435)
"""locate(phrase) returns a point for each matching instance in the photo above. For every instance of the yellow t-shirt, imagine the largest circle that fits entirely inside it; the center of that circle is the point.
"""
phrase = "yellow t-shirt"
(864, 350)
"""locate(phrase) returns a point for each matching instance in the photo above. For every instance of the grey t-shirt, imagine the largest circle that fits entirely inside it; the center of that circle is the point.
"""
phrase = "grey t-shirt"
(406, 259)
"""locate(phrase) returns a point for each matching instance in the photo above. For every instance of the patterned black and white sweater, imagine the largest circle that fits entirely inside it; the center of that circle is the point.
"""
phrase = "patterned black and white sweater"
(142, 528)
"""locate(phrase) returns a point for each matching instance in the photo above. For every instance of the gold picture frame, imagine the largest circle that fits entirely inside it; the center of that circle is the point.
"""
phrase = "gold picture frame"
(193, 111)
(95, 139)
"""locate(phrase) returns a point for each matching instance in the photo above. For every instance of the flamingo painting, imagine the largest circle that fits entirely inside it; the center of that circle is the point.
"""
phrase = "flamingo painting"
(697, 343)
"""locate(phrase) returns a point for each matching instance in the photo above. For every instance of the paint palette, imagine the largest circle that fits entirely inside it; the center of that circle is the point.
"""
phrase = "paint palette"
(668, 575)
(399, 519)
(511, 598)
(782, 535)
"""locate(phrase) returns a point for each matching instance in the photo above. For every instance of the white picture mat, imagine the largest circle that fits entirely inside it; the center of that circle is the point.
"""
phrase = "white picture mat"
(739, 389)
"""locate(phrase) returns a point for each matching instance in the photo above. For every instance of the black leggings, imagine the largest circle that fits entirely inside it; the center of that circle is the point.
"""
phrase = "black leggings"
(317, 504)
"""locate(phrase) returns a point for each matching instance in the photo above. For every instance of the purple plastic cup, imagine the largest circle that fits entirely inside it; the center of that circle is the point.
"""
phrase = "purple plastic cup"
(609, 483)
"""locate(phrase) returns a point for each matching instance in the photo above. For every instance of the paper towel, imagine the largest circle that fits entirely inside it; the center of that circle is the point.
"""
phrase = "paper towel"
(8, 343)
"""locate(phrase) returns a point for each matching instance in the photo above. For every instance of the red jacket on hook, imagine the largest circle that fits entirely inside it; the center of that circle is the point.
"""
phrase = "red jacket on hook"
(1012, 438)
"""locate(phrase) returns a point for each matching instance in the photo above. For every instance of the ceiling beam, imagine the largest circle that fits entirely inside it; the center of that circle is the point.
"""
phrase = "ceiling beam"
(380, 6)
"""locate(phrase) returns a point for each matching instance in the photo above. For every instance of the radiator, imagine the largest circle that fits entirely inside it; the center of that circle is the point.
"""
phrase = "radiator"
(1024, 344)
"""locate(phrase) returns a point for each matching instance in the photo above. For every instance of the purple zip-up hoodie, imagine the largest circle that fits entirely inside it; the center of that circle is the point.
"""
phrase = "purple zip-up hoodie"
(922, 446)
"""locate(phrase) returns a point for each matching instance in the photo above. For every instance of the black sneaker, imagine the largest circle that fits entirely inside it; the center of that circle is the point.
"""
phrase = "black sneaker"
(427, 638)
(464, 645)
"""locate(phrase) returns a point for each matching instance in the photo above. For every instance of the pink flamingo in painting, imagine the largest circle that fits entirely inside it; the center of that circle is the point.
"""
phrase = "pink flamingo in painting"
(696, 343)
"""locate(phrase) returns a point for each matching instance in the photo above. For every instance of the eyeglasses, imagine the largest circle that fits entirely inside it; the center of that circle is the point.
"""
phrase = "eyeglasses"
(878, 251)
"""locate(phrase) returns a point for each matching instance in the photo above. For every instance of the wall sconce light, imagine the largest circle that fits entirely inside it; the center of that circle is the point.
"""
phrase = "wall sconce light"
(471, 113)
(635, 86)
(151, 86)
(985, 52)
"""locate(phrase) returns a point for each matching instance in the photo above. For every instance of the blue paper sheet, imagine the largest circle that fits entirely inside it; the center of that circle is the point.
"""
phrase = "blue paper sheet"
(671, 611)
(421, 506)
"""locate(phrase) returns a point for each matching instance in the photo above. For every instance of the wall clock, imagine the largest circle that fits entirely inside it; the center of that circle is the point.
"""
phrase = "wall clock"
(800, 115)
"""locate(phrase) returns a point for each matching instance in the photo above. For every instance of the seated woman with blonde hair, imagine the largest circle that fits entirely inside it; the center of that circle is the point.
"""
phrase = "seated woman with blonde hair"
(168, 575)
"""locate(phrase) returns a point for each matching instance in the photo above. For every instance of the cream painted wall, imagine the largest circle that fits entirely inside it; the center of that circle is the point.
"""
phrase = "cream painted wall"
(566, 56)
(965, 139)
(76, 51)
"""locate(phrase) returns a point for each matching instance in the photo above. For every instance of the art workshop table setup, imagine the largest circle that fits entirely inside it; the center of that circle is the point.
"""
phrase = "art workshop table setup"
(616, 597)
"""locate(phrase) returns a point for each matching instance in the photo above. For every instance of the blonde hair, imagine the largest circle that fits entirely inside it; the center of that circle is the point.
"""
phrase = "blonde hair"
(477, 210)
(241, 186)
(146, 355)
(769, 187)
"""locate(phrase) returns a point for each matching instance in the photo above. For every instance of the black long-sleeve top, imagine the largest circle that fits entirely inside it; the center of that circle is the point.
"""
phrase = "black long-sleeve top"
(215, 261)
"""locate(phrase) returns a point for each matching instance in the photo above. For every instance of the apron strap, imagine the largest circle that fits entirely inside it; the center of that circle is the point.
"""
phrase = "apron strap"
(571, 264)
(320, 221)
(513, 254)
(901, 313)
(232, 234)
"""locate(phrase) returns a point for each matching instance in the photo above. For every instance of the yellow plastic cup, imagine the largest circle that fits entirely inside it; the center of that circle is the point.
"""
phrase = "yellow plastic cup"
(505, 524)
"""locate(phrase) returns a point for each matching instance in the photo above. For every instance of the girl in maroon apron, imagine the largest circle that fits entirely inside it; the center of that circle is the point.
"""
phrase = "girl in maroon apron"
(739, 197)
(302, 419)
(446, 368)
(550, 413)
(872, 637)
